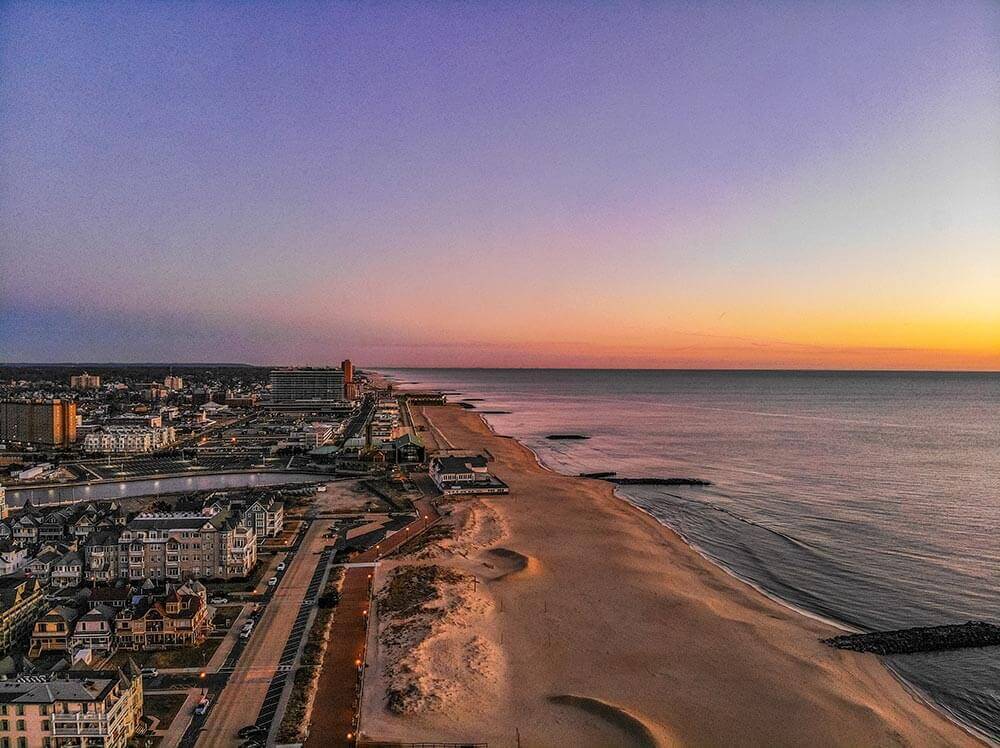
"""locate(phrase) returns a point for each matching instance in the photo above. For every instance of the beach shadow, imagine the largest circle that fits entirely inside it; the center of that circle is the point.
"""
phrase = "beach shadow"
(509, 563)
(635, 729)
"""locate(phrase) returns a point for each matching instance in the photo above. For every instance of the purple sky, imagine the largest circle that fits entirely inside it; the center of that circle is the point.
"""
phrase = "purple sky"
(445, 183)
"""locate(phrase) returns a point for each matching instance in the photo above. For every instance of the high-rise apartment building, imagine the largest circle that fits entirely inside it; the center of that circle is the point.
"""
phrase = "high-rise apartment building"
(291, 385)
(85, 381)
(51, 422)
(350, 388)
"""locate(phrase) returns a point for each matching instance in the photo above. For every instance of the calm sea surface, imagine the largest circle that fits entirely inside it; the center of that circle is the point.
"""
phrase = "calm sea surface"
(872, 499)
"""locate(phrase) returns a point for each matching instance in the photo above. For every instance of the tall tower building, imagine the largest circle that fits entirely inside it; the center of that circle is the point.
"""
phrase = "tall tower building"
(350, 389)
(51, 422)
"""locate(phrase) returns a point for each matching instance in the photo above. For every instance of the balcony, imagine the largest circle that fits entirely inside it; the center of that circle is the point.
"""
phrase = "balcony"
(79, 724)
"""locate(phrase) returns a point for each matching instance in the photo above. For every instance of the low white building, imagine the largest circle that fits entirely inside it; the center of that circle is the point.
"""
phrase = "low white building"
(118, 439)
(464, 475)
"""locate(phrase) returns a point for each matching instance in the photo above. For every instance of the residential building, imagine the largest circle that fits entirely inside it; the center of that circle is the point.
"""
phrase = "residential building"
(4, 510)
(54, 526)
(13, 558)
(85, 381)
(464, 475)
(20, 601)
(44, 562)
(52, 631)
(291, 385)
(68, 571)
(49, 422)
(26, 527)
(173, 383)
(95, 630)
(128, 439)
(179, 619)
(93, 708)
(172, 546)
(100, 556)
(117, 598)
(266, 517)
(350, 386)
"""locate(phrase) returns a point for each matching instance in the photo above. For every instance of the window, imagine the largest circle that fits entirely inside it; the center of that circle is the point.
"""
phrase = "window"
(45, 725)
(20, 726)
(22, 743)
(19, 710)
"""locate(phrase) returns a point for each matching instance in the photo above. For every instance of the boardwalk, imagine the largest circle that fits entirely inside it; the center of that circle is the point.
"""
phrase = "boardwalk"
(337, 700)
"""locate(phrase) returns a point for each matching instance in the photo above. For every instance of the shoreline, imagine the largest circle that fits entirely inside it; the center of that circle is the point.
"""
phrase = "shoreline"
(918, 693)
(704, 657)
(912, 688)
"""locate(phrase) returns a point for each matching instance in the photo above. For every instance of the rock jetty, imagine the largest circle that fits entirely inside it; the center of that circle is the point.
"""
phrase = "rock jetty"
(921, 639)
(659, 481)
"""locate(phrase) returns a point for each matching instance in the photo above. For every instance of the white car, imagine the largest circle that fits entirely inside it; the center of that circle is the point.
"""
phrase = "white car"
(151, 672)
(202, 707)
(219, 600)
(281, 566)
(272, 581)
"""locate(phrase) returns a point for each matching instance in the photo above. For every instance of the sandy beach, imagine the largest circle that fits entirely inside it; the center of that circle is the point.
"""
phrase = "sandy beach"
(560, 615)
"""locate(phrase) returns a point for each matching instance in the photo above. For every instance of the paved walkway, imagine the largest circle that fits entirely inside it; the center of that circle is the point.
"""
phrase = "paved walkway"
(338, 698)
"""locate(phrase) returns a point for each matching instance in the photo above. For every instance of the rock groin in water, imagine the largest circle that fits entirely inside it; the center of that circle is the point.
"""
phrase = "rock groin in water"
(659, 481)
(921, 639)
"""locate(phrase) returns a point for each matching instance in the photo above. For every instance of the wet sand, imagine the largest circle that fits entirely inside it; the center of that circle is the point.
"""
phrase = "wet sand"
(590, 624)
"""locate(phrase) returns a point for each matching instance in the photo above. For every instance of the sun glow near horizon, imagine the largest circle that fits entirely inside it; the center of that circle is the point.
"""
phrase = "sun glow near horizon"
(684, 187)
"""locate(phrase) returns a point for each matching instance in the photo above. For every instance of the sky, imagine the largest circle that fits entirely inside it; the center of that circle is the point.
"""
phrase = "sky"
(705, 184)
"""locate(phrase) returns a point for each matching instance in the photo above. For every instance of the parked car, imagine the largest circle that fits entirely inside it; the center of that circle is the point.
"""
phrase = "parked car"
(281, 566)
(250, 731)
(219, 600)
(272, 581)
(202, 707)
(150, 672)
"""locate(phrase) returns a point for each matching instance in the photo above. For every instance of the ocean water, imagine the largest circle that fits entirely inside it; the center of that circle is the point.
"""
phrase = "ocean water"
(871, 499)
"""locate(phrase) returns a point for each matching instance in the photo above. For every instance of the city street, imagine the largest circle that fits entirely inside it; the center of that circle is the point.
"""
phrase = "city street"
(240, 702)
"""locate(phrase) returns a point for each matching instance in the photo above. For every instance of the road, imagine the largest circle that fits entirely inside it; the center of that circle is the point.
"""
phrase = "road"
(171, 737)
(334, 722)
(240, 701)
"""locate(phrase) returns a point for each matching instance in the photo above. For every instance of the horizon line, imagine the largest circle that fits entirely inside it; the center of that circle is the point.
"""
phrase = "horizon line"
(363, 367)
